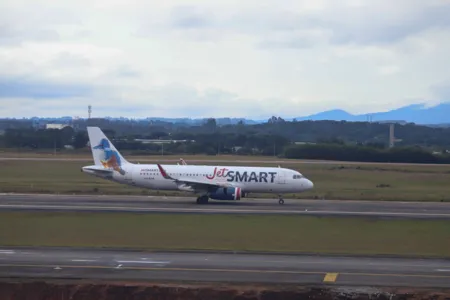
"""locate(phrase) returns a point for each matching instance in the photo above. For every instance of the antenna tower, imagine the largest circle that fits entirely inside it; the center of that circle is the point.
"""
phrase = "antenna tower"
(391, 135)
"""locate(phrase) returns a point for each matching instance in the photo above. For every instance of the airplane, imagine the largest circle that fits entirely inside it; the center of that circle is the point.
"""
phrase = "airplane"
(225, 183)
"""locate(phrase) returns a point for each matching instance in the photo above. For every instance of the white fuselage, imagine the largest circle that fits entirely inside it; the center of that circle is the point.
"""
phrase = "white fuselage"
(249, 179)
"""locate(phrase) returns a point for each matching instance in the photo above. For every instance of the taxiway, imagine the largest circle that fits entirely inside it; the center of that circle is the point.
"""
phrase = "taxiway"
(219, 267)
(215, 161)
(159, 204)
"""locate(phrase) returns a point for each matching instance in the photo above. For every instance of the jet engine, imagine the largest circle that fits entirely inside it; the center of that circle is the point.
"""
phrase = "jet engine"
(227, 194)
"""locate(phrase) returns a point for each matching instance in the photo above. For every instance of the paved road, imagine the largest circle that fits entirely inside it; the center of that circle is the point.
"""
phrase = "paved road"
(152, 204)
(127, 265)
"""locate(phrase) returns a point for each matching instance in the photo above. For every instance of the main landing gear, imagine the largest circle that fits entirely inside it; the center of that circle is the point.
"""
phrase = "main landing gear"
(280, 200)
(202, 199)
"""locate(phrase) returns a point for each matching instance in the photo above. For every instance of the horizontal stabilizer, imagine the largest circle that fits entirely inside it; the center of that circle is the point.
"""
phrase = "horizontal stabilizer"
(97, 170)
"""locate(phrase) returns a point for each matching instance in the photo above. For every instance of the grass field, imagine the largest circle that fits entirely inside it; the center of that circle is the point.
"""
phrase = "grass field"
(225, 232)
(332, 181)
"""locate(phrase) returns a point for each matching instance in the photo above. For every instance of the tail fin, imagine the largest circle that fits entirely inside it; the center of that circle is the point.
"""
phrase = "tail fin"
(103, 151)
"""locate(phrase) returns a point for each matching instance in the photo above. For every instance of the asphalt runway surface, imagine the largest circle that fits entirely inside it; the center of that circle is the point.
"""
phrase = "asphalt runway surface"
(158, 204)
(214, 267)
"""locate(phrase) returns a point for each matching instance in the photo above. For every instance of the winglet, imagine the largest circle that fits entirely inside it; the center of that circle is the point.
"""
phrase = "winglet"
(163, 172)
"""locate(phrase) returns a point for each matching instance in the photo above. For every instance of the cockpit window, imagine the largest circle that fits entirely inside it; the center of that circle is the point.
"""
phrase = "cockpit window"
(298, 176)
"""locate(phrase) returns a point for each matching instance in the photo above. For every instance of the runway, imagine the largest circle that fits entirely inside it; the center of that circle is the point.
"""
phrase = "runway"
(211, 267)
(158, 204)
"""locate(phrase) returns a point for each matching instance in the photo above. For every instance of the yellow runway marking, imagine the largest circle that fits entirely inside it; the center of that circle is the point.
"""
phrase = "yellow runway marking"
(330, 277)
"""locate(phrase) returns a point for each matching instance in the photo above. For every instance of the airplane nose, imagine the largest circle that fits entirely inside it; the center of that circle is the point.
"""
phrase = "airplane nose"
(309, 184)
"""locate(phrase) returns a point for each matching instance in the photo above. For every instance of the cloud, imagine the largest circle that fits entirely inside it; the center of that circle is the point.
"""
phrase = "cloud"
(125, 72)
(388, 22)
(25, 88)
(31, 21)
(189, 17)
(221, 58)
(298, 25)
(389, 69)
(13, 36)
(68, 106)
(441, 91)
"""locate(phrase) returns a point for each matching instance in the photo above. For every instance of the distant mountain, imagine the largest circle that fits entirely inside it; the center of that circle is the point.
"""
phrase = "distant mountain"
(416, 113)
(436, 116)
(335, 115)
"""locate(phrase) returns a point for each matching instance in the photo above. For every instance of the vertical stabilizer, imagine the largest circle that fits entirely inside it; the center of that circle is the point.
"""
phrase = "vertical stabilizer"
(104, 152)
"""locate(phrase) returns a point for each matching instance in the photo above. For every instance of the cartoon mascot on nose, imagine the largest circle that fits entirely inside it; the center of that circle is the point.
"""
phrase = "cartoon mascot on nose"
(111, 158)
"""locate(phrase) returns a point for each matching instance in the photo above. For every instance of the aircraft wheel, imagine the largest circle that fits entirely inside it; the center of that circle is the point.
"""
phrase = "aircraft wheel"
(202, 200)
(281, 201)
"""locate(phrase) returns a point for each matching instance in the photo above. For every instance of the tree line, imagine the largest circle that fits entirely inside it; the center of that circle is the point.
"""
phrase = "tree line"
(330, 140)
(339, 152)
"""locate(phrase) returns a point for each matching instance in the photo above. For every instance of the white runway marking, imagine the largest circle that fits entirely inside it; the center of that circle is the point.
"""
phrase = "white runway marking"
(142, 262)
(83, 260)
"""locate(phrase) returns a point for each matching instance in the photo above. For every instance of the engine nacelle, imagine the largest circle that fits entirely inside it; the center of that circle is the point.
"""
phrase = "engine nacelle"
(227, 194)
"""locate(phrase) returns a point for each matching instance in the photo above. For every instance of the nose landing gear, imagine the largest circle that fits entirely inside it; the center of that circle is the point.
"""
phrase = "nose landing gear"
(280, 200)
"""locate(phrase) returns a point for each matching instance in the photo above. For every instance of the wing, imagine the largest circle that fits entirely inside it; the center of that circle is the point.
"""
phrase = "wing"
(195, 183)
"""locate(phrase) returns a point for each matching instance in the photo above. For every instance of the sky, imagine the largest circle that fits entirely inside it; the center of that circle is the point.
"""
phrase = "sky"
(222, 58)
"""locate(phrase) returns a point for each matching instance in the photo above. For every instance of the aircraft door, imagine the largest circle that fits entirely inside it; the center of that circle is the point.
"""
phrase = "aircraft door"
(129, 176)
(281, 178)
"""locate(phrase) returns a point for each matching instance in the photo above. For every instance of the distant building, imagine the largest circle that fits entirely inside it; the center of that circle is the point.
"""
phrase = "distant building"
(400, 122)
(156, 141)
(56, 126)
(304, 143)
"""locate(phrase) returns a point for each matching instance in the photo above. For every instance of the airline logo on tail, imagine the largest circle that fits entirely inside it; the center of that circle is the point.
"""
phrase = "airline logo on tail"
(111, 158)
